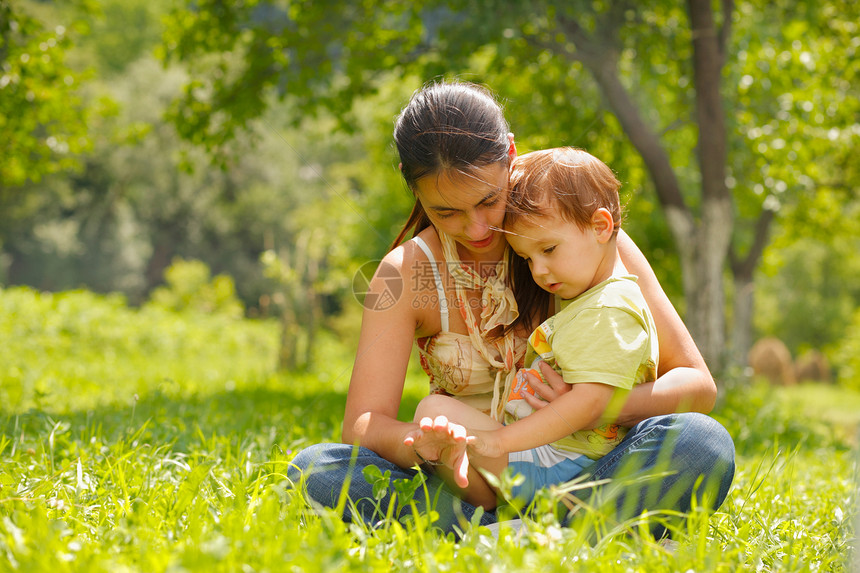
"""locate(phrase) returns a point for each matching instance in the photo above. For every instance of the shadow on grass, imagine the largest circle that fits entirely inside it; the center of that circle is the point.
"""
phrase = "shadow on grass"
(291, 415)
(257, 418)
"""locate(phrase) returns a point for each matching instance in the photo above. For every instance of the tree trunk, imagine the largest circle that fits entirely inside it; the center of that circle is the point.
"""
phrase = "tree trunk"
(703, 259)
(313, 312)
(706, 300)
(287, 355)
(742, 332)
(301, 304)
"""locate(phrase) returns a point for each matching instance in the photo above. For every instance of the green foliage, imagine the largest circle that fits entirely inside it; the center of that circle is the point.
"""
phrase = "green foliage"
(807, 292)
(76, 350)
(318, 159)
(189, 288)
(795, 111)
(846, 356)
(43, 119)
(117, 225)
(123, 31)
(242, 52)
(790, 101)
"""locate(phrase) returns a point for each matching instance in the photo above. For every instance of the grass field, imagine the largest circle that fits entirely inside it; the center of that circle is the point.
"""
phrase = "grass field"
(143, 440)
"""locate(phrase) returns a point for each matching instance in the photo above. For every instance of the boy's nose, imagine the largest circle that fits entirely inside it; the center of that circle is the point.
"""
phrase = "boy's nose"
(538, 268)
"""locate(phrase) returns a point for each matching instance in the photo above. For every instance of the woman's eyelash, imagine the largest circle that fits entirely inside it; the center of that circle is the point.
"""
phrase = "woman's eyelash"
(549, 250)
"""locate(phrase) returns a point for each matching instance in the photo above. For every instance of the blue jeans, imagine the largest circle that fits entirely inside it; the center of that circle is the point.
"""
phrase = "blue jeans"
(694, 451)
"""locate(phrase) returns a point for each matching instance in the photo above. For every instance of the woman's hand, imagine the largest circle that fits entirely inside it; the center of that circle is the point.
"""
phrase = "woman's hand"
(450, 444)
(554, 387)
(442, 440)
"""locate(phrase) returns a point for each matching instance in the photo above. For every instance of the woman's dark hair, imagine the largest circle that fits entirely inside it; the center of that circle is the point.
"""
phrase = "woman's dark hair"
(447, 126)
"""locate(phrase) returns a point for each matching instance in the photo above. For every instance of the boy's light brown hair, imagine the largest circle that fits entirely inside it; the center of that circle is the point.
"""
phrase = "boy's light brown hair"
(564, 180)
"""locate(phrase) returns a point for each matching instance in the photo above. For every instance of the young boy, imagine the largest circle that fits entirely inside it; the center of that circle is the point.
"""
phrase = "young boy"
(562, 221)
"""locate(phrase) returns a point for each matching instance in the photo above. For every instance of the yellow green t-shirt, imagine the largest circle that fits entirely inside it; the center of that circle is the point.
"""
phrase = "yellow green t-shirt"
(605, 335)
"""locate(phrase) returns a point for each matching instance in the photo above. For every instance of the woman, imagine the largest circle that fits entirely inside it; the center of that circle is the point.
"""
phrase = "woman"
(455, 150)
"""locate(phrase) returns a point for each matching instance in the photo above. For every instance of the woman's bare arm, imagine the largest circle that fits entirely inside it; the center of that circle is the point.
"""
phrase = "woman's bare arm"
(684, 384)
(378, 376)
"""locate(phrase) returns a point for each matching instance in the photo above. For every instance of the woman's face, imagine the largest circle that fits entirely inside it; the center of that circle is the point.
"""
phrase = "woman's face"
(468, 206)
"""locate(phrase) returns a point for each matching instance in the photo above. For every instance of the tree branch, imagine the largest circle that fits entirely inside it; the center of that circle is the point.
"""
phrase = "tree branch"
(601, 60)
(711, 148)
(745, 267)
(612, 19)
(587, 50)
(728, 7)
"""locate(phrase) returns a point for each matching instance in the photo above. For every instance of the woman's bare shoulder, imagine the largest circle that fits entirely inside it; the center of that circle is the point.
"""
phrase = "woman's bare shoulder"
(410, 258)
(410, 263)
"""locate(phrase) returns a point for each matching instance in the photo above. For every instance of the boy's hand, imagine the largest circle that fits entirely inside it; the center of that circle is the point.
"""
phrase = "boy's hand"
(445, 441)
(555, 387)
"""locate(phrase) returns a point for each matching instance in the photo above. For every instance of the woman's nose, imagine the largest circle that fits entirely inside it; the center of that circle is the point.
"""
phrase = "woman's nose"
(477, 226)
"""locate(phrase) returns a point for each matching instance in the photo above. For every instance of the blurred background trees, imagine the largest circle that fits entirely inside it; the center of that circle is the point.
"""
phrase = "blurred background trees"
(255, 137)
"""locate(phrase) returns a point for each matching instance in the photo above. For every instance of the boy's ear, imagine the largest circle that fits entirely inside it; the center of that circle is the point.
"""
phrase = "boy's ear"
(603, 224)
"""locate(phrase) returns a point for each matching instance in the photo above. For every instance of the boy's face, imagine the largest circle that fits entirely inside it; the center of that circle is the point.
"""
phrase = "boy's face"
(564, 259)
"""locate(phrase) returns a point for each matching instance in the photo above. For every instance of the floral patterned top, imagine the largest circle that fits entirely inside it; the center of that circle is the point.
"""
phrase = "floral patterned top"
(472, 367)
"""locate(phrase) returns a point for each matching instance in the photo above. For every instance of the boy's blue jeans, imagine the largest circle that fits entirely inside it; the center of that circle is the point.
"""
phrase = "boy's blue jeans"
(691, 456)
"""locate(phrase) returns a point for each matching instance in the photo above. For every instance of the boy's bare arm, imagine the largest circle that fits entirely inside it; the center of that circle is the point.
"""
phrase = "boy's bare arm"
(566, 414)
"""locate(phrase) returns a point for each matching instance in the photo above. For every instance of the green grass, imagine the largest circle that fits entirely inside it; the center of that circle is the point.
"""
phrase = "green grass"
(140, 440)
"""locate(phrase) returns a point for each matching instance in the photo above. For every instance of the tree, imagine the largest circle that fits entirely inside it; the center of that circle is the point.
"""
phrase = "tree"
(666, 74)
(794, 126)
(121, 32)
(702, 238)
(241, 53)
(645, 62)
(42, 117)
